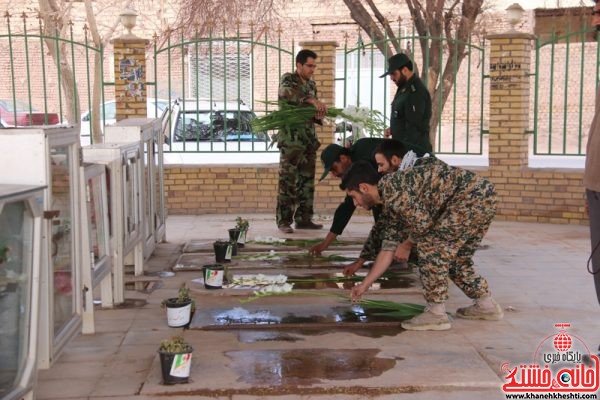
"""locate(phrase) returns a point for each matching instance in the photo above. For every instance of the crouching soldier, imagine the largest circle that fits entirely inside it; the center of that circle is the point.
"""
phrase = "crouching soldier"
(443, 213)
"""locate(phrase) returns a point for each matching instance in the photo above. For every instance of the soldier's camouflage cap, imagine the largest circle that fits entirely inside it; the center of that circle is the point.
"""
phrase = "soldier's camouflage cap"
(396, 62)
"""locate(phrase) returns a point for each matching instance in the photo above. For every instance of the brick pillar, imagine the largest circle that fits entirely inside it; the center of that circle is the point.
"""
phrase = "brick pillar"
(130, 76)
(510, 59)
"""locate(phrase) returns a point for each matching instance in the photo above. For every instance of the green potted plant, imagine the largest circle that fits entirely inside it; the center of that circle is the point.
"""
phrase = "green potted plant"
(175, 360)
(223, 250)
(238, 234)
(179, 309)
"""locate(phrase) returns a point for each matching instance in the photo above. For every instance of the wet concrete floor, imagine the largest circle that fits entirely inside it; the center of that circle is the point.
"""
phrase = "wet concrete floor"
(257, 336)
(307, 366)
(291, 316)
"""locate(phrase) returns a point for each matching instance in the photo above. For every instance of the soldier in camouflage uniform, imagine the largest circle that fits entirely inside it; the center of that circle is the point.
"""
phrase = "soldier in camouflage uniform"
(298, 148)
(443, 212)
(337, 160)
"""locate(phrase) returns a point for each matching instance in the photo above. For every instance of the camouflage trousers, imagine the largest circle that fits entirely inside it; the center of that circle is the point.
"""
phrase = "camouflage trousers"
(296, 190)
(449, 254)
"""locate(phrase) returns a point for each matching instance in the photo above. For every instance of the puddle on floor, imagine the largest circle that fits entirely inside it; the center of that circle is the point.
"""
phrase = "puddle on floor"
(266, 336)
(328, 315)
(307, 366)
(330, 281)
(252, 336)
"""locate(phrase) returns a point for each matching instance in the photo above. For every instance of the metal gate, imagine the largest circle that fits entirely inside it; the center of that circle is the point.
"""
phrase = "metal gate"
(566, 77)
(459, 122)
(32, 86)
(216, 85)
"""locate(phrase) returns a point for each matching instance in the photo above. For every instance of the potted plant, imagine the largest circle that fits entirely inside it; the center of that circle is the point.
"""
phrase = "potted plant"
(175, 360)
(223, 250)
(214, 275)
(179, 309)
(238, 234)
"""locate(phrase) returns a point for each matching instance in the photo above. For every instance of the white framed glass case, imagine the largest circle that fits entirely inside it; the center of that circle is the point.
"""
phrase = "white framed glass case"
(123, 162)
(96, 242)
(50, 156)
(148, 132)
(20, 256)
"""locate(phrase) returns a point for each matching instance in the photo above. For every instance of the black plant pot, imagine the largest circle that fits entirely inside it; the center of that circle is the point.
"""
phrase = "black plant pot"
(234, 236)
(234, 248)
(166, 362)
(222, 251)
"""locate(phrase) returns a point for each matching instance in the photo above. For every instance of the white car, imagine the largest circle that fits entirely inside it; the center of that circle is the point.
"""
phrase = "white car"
(199, 120)
(155, 108)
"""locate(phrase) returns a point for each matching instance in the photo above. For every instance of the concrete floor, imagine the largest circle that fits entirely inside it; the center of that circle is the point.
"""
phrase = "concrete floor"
(537, 273)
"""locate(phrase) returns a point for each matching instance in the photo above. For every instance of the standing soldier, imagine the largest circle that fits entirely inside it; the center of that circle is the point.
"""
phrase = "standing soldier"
(298, 148)
(411, 107)
(443, 212)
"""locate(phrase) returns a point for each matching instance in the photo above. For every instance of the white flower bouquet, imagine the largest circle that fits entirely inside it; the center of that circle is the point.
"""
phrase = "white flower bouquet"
(289, 117)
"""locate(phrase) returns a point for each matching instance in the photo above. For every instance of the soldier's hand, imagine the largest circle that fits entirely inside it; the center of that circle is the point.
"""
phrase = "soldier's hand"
(357, 292)
(321, 110)
(317, 249)
(351, 269)
(403, 251)
(387, 133)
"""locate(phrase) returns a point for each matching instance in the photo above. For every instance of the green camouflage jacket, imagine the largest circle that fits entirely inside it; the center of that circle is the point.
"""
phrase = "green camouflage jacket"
(296, 91)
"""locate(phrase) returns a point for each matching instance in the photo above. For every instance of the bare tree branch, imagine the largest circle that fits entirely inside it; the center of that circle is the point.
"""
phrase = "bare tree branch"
(362, 17)
(386, 25)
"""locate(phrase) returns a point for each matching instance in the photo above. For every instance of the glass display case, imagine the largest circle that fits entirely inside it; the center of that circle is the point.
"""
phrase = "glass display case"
(49, 156)
(123, 162)
(20, 256)
(148, 132)
(96, 242)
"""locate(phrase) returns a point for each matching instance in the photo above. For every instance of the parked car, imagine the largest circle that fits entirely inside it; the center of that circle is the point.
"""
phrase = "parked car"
(154, 109)
(198, 120)
(24, 116)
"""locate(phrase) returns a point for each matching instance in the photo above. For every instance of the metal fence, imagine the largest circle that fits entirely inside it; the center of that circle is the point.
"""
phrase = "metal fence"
(459, 124)
(216, 85)
(565, 82)
(48, 77)
(228, 80)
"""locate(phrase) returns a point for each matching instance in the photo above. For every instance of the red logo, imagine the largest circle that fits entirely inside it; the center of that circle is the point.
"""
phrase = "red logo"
(561, 363)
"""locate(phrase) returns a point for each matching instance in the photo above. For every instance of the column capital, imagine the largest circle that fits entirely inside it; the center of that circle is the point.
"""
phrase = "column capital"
(511, 35)
(124, 40)
(318, 43)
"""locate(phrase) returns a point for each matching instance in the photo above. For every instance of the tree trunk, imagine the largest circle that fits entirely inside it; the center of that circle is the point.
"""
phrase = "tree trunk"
(362, 17)
(53, 25)
(99, 42)
(433, 19)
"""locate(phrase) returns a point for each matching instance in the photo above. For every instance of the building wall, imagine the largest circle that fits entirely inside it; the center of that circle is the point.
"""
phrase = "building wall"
(526, 194)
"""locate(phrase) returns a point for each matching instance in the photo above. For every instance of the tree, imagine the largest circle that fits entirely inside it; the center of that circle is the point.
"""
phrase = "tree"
(56, 16)
(99, 41)
(452, 19)
(56, 23)
(200, 15)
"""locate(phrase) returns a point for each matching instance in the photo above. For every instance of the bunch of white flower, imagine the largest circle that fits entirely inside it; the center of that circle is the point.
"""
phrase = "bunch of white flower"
(268, 239)
(273, 289)
(363, 118)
